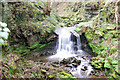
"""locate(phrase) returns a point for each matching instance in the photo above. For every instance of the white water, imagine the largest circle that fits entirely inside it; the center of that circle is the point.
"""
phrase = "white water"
(65, 45)
(78, 43)
(80, 73)
(65, 49)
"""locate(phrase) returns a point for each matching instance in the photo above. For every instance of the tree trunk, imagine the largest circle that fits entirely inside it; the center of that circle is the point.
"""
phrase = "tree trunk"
(117, 14)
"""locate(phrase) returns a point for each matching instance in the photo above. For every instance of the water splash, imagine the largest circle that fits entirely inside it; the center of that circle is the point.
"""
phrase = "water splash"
(84, 74)
(78, 72)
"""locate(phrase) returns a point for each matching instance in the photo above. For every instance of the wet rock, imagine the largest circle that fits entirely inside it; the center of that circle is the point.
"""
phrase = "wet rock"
(74, 60)
(69, 65)
(56, 62)
(65, 61)
(84, 68)
(55, 65)
(78, 62)
(92, 73)
(43, 71)
(83, 57)
(74, 64)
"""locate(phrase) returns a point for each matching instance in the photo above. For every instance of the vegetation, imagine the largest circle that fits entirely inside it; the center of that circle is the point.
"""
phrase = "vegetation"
(29, 27)
(3, 33)
(103, 38)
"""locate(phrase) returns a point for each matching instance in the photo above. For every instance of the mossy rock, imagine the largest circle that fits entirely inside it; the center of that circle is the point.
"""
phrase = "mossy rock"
(100, 33)
(107, 65)
(78, 30)
(52, 76)
(43, 71)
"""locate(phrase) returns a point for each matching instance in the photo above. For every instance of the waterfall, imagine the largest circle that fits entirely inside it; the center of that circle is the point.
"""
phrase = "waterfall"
(65, 46)
(78, 43)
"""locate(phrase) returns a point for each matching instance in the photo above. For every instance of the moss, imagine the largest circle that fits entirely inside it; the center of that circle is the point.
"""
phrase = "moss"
(65, 75)
(100, 40)
(113, 49)
(34, 45)
(78, 30)
(43, 71)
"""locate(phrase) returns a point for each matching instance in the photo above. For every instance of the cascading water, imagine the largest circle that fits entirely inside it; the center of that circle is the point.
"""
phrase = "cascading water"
(78, 72)
(65, 45)
(78, 43)
(65, 49)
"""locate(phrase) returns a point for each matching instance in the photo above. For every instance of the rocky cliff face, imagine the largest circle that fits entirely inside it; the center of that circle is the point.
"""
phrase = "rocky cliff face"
(29, 22)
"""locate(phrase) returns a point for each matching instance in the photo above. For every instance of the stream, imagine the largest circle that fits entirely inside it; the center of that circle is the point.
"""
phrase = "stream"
(67, 50)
